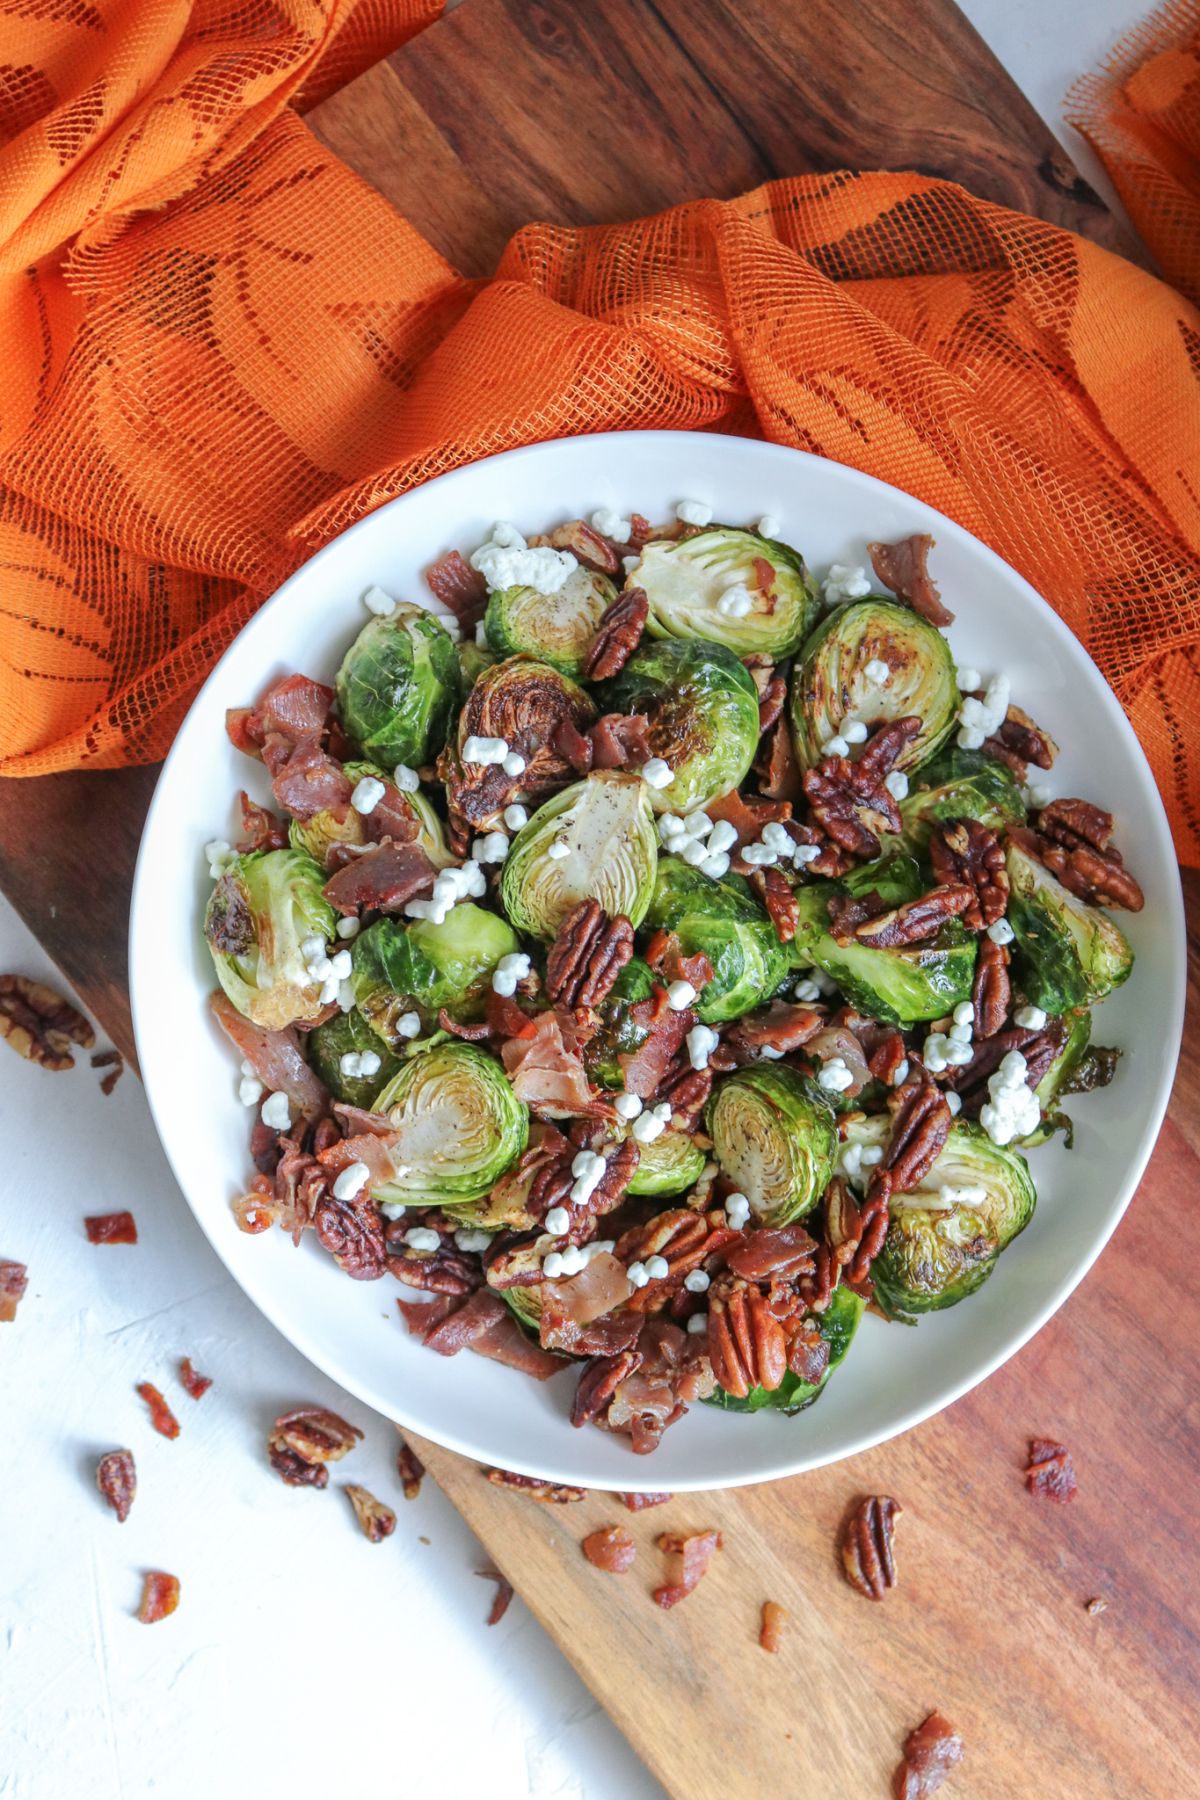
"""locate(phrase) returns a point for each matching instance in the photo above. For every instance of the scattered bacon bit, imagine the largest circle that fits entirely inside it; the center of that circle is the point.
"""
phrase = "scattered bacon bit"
(1051, 1473)
(930, 1752)
(620, 741)
(116, 1477)
(196, 1384)
(161, 1416)
(386, 877)
(160, 1596)
(610, 1549)
(638, 1502)
(14, 1279)
(774, 1617)
(903, 567)
(111, 1228)
(504, 1593)
(376, 1520)
(550, 1493)
(261, 829)
(410, 1469)
(690, 1557)
(747, 814)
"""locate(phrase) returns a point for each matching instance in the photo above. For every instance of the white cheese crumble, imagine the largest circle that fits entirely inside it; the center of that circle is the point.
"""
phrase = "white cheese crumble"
(723, 836)
(610, 524)
(735, 602)
(715, 864)
(588, 1170)
(276, 1111)
(900, 1073)
(220, 857)
(557, 849)
(507, 561)
(949, 1195)
(406, 779)
(558, 1221)
(647, 1127)
(1037, 795)
(408, 1025)
(737, 1210)
(697, 1324)
(484, 750)
(854, 731)
(1001, 932)
(697, 824)
(1012, 1109)
(692, 851)
(379, 603)
(671, 829)
(768, 526)
(637, 1274)
(627, 1106)
(508, 972)
(358, 1065)
(367, 794)
(348, 928)
(834, 1076)
(1030, 1018)
(422, 1237)
(694, 512)
(630, 563)
(696, 1281)
(942, 1052)
(392, 1209)
(513, 764)
(352, 1180)
(968, 680)
(657, 1268)
(482, 642)
(759, 856)
(980, 719)
(515, 817)
(877, 671)
(657, 774)
(490, 849)
(552, 1265)
(896, 783)
(964, 1013)
(845, 581)
(701, 1041)
(250, 1088)
(837, 745)
(804, 854)
(472, 1242)
(807, 990)
(680, 995)
(953, 1102)
(776, 838)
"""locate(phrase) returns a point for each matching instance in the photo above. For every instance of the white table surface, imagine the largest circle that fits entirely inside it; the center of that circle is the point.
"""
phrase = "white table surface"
(302, 1658)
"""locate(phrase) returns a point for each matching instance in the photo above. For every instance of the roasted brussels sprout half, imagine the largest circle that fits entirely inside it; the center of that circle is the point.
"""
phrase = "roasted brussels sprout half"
(619, 1034)
(1058, 1077)
(348, 1035)
(724, 920)
(902, 986)
(324, 829)
(837, 1325)
(460, 1127)
(556, 628)
(730, 587)
(397, 970)
(258, 917)
(521, 702)
(669, 1165)
(958, 784)
(945, 1237)
(1067, 952)
(398, 688)
(473, 659)
(775, 1137)
(833, 680)
(596, 838)
(703, 710)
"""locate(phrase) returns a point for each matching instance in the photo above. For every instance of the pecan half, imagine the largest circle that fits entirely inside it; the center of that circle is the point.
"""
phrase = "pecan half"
(442, 1271)
(904, 567)
(376, 1520)
(1050, 1472)
(930, 1752)
(681, 1237)
(848, 800)
(688, 1091)
(160, 1596)
(964, 850)
(352, 1232)
(785, 1251)
(774, 890)
(746, 1342)
(639, 1502)
(991, 993)
(619, 635)
(915, 920)
(550, 1493)
(294, 1470)
(116, 1477)
(586, 546)
(774, 1617)
(920, 1127)
(39, 1024)
(611, 1549)
(588, 954)
(1072, 838)
(1020, 742)
(688, 1558)
(410, 1469)
(1075, 822)
(314, 1434)
(503, 1594)
(867, 1546)
(14, 1279)
(601, 1378)
(770, 704)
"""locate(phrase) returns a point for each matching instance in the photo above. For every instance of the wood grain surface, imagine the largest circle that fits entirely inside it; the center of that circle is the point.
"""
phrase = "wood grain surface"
(582, 110)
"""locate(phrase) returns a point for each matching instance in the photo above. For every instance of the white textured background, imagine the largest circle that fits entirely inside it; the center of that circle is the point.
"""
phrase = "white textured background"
(302, 1659)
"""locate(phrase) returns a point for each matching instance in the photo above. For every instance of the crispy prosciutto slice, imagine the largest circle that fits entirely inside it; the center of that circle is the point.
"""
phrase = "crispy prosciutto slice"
(748, 814)
(458, 1330)
(620, 741)
(294, 709)
(505, 1342)
(276, 1058)
(546, 1069)
(904, 567)
(387, 877)
(307, 780)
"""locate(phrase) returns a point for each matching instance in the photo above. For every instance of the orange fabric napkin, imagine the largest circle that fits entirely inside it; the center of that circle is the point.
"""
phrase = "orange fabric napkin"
(221, 347)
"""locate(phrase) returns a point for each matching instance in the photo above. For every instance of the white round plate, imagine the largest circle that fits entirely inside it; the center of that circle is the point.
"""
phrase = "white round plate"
(893, 1377)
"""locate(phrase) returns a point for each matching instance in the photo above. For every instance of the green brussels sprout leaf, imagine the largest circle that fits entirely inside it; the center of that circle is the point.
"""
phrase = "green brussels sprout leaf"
(460, 1128)
(422, 966)
(346, 1034)
(831, 683)
(1068, 953)
(556, 628)
(958, 784)
(724, 920)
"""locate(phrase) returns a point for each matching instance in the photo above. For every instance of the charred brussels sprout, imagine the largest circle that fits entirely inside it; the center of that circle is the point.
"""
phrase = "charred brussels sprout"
(524, 702)
(775, 1137)
(837, 1325)
(1067, 952)
(831, 683)
(257, 919)
(400, 969)
(725, 921)
(318, 834)
(398, 687)
(557, 628)
(703, 710)
(348, 1034)
(460, 1127)
(900, 987)
(596, 838)
(731, 587)
(958, 784)
(945, 1237)
(619, 1034)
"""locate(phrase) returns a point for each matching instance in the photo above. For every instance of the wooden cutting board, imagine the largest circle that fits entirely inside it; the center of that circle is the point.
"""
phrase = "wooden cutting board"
(584, 110)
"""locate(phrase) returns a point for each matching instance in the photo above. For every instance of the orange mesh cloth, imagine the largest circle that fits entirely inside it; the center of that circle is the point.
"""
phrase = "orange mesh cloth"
(1141, 114)
(220, 347)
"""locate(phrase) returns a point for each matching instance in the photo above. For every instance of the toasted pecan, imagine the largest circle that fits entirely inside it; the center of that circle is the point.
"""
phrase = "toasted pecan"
(588, 954)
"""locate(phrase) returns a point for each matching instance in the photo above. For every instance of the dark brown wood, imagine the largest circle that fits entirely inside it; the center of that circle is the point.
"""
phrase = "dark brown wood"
(585, 110)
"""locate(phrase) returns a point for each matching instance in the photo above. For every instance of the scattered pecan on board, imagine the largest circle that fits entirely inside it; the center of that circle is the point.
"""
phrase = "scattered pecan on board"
(1050, 1472)
(116, 1477)
(619, 635)
(39, 1024)
(550, 1493)
(930, 1752)
(314, 1436)
(638, 1502)
(376, 1521)
(688, 1560)
(867, 1555)
(588, 954)
(14, 1279)
(410, 1469)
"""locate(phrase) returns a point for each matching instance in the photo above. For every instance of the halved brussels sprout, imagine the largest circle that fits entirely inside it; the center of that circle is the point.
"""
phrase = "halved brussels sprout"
(684, 581)
(398, 687)
(596, 838)
(460, 1127)
(958, 784)
(557, 628)
(900, 987)
(945, 1236)
(837, 1325)
(703, 710)
(349, 1034)
(317, 834)
(672, 1163)
(1067, 952)
(1058, 1076)
(830, 682)
(724, 920)
(257, 917)
(619, 1034)
(775, 1137)
(421, 967)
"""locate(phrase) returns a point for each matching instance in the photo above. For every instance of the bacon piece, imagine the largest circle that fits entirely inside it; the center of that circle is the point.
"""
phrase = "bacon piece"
(160, 1596)
(774, 1617)
(645, 1068)
(546, 1069)
(276, 1057)
(903, 567)
(197, 1385)
(1051, 1472)
(261, 829)
(611, 1549)
(505, 1342)
(620, 741)
(293, 709)
(638, 1502)
(161, 1416)
(422, 1315)
(306, 780)
(747, 813)
(504, 1593)
(111, 1228)
(689, 1558)
(459, 1329)
(14, 1279)
(116, 1477)
(573, 745)
(457, 585)
(783, 1025)
(930, 1752)
(386, 877)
